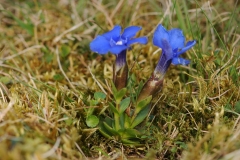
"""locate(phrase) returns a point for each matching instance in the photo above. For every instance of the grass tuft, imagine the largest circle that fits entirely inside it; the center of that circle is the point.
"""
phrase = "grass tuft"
(49, 79)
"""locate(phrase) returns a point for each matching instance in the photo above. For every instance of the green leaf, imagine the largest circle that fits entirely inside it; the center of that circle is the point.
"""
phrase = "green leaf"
(93, 102)
(112, 108)
(110, 129)
(65, 50)
(99, 95)
(182, 145)
(218, 61)
(130, 142)
(104, 132)
(5, 80)
(92, 121)
(120, 94)
(127, 121)
(140, 86)
(69, 121)
(90, 111)
(235, 75)
(99, 149)
(122, 120)
(124, 104)
(129, 133)
(142, 104)
(109, 121)
(114, 89)
(58, 77)
(106, 129)
(48, 56)
(27, 25)
(237, 107)
(141, 116)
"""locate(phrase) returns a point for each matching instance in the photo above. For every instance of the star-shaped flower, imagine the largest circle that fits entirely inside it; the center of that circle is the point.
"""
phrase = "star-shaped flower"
(172, 43)
(115, 42)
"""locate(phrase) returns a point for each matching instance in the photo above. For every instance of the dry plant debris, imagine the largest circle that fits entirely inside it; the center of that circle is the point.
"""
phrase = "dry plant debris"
(49, 75)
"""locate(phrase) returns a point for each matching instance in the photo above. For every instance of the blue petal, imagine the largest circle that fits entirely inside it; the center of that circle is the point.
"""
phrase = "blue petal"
(141, 40)
(159, 34)
(113, 34)
(117, 49)
(120, 60)
(166, 49)
(189, 45)
(181, 61)
(163, 64)
(130, 32)
(176, 38)
(100, 45)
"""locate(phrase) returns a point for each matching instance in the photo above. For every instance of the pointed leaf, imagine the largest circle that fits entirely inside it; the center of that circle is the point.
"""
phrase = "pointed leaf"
(119, 95)
(28, 25)
(237, 107)
(90, 111)
(92, 121)
(104, 131)
(140, 86)
(113, 109)
(141, 116)
(110, 129)
(114, 89)
(124, 104)
(122, 120)
(127, 121)
(142, 104)
(130, 142)
(109, 121)
(130, 133)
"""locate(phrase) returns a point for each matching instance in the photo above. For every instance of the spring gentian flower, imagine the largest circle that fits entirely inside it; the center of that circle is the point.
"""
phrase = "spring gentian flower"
(117, 43)
(172, 43)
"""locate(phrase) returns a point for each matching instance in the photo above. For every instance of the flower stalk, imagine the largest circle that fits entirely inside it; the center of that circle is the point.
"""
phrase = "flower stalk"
(126, 122)
(120, 71)
(172, 43)
(151, 87)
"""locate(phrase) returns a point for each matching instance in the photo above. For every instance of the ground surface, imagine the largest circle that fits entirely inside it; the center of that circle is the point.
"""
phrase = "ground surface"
(48, 76)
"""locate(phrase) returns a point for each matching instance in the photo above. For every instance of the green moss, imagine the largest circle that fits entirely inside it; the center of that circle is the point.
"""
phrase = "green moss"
(44, 103)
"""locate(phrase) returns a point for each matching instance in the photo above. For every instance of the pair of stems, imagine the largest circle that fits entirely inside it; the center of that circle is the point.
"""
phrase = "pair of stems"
(150, 88)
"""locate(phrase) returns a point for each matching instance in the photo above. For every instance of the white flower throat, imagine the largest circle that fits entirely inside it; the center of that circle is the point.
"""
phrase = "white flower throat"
(120, 42)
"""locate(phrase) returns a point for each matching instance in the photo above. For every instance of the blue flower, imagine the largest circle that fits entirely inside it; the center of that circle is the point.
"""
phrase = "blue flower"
(172, 43)
(115, 42)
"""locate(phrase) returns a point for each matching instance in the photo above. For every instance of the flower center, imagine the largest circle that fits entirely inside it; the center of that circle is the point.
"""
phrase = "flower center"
(120, 42)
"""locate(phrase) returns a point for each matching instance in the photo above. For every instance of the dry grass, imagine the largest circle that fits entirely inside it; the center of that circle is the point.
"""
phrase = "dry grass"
(48, 76)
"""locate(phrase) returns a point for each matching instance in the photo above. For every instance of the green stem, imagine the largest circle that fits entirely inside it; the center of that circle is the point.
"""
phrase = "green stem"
(117, 118)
